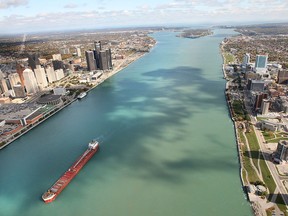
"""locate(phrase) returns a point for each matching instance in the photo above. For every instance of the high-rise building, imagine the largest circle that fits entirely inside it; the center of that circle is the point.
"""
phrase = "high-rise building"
(91, 63)
(282, 77)
(98, 46)
(33, 60)
(41, 77)
(50, 74)
(103, 60)
(258, 100)
(19, 69)
(65, 51)
(265, 107)
(261, 63)
(281, 153)
(4, 85)
(109, 59)
(14, 79)
(246, 59)
(57, 57)
(19, 91)
(57, 64)
(30, 82)
(59, 74)
(78, 51)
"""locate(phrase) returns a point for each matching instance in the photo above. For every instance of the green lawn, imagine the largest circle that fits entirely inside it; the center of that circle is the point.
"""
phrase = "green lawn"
(229, 58)
(254, 146)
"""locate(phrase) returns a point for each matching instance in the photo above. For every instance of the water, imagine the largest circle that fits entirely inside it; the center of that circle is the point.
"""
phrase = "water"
(168, 145)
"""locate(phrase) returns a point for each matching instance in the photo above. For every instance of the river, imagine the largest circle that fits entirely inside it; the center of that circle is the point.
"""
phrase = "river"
(167, 142)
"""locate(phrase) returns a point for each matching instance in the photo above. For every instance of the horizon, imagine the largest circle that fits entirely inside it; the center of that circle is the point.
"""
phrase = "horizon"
(35, 16)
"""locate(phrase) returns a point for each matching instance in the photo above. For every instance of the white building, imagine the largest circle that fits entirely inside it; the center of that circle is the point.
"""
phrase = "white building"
(41, 77)
(59, 91)
(30, 81)
(261, 64)
(51, 74)
(14, 79)
(3, 85)
(59, 74)
(246, 59)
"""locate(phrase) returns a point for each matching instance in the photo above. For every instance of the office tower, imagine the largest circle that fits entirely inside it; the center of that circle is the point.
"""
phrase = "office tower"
(258, 100)
(78, 51)
(282, 77)
(19, 91)
(246, 59)
(33, 60)
(98, 46)
(30, 82)
(109, 58)
(261, 63)
(19, 69)
(57, 64)
(57, 57)
(50, 74)
(59, 74)
(265, 107)
(41, 77)
(4, 85)
(256, 85)
(103, 60)
(14, 79)
(91, 63)
(1, 75)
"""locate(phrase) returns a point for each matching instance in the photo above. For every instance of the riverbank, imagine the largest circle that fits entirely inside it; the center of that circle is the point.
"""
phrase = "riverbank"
(106, 75)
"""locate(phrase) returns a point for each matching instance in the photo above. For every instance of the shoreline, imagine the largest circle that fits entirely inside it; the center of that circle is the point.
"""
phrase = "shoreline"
(106, 76)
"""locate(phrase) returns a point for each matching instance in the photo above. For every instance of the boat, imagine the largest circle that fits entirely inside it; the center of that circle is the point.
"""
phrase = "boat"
(82, 95)
(51, 194)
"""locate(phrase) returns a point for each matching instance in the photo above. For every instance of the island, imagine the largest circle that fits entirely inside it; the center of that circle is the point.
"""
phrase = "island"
(195, 33)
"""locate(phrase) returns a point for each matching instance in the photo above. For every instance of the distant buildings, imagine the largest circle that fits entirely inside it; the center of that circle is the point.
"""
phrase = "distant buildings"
(282, 77)
(78, 51)
(14, 79)
(246, 59)
(30, 82)
(57, 57)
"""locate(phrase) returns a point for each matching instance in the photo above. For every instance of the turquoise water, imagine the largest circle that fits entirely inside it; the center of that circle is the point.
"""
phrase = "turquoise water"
(168, 145)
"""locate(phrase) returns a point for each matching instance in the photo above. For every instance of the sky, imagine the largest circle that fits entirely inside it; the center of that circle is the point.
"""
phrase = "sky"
(18, 16)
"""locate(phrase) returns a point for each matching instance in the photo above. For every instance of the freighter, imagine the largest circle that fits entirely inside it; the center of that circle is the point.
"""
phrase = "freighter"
(64, 180)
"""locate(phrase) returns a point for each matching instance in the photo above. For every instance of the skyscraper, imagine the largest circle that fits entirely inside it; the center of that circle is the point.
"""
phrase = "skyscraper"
(19, 91)
(30, 81)
(246, 59)
(59, 74)
(261, 63)
(103, 60)
(33, 60)
(78, 51)
(57, 64)
(4, 86)
(91, 63)
(50, 74)
(14, 79)
(41, 77)
(19, 69)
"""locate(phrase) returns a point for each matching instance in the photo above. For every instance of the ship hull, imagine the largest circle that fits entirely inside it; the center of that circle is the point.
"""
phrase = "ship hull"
(64, 180)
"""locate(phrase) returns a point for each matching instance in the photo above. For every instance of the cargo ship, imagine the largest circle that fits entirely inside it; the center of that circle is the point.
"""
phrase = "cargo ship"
(64, 180)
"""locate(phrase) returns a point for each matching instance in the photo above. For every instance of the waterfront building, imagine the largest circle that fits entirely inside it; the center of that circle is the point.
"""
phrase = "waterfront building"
(14, 79)
(49, 99)
(281, 154)
(50, 74)
(57, 57)
(33, 60)
(59, 74)
(19, 91)
(30, 82)
(103, 59)
(91, 63)
(258, 100)
(261, 64)
(41, 77)
(59, 91)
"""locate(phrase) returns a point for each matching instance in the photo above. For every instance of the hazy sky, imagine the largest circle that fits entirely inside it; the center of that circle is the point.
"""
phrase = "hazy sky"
(40, 15)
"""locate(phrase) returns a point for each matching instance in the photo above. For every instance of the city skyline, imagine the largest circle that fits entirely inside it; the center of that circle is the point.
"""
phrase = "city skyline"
(33, 15)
